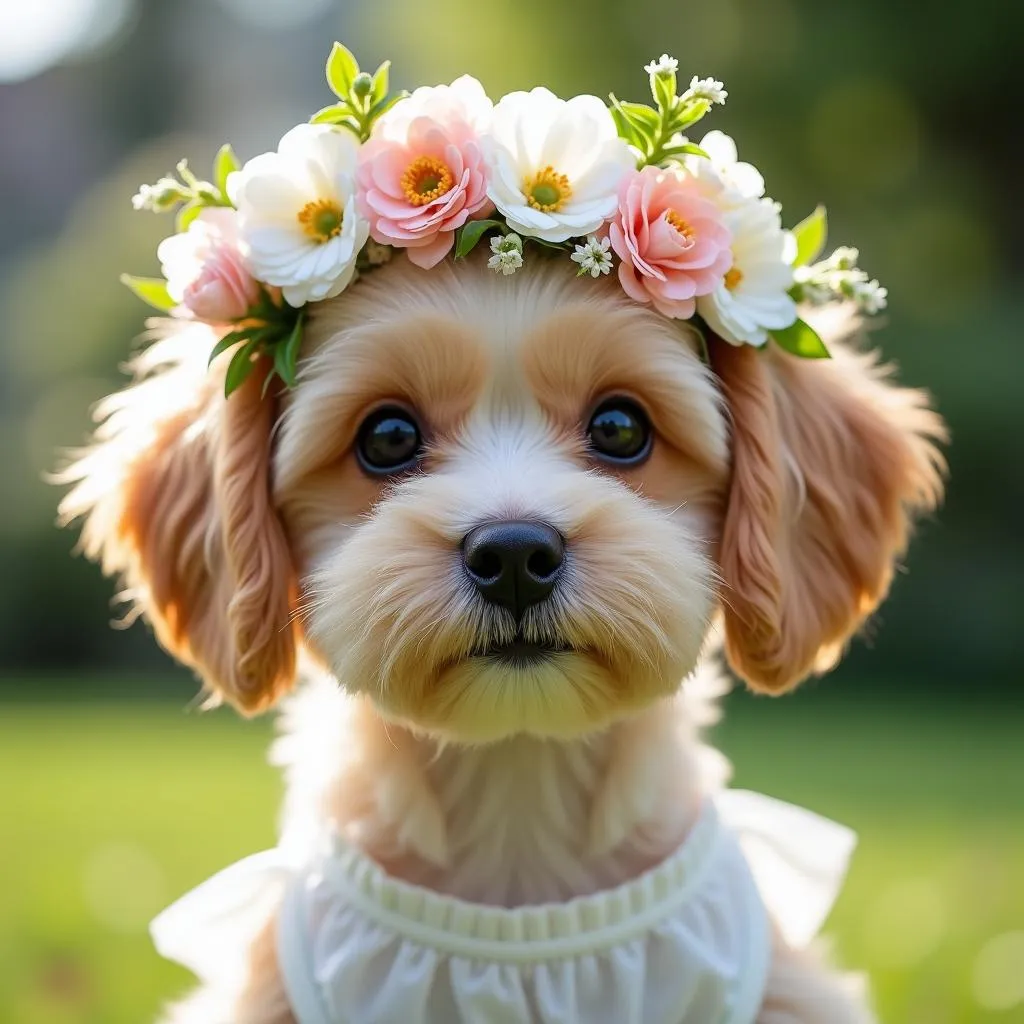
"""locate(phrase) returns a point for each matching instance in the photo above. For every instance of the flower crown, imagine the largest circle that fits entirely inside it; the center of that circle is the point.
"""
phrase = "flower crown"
(686, 226)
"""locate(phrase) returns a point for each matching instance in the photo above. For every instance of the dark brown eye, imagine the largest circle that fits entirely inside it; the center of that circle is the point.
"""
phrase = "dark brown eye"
(619, 432)
(388, 442)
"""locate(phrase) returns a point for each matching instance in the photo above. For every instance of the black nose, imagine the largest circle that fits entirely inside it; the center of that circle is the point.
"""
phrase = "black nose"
(514, 564)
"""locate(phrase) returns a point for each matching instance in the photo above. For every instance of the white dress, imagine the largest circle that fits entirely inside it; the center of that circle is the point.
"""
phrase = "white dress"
(686, 943)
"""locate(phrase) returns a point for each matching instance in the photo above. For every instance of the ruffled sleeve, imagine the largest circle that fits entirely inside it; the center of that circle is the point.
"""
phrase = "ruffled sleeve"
(211, 929)
(799, 859)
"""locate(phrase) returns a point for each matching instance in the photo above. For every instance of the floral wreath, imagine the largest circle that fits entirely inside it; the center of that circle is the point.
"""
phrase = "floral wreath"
(687, 227)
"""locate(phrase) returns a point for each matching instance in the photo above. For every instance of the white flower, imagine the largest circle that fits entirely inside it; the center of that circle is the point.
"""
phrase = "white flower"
(706, 89)
(663, 65)
(594, 257)
(555, 165)
(298, 222)
(753, 297)
(722, 177)
(508, 254)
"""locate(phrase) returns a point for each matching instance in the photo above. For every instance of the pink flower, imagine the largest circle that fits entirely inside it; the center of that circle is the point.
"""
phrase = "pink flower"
(422, 174)
(204, 269)
(671, 242)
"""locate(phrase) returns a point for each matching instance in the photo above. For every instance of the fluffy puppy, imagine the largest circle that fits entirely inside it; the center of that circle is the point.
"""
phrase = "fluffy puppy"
(502, 518)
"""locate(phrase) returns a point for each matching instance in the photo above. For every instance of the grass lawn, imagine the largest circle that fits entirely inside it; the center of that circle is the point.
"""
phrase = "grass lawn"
(111, 811)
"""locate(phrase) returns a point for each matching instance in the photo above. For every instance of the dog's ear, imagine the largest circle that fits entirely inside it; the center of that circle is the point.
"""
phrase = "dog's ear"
(175, 497)
(830, 464)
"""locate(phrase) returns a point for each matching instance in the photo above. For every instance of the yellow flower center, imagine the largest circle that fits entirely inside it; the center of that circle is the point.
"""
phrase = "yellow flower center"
(321, 219)
(547, 190)
(682, 226)
(733, 277)
(425, 179)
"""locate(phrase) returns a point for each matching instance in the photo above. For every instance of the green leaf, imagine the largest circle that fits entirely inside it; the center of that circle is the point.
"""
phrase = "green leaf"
(686, 149)
(470, 234)
(643, 118)
(380, 83)
(689, 113)
(152, 290)
(286, 354)
(342, 69)
(224, 164)
(811, 234)
(333, 114)
(386, 104)
(800, 339)
(268, 310)
(241, 366)
(187, 214)
(227, 341)
(626, 129)
(663, 89)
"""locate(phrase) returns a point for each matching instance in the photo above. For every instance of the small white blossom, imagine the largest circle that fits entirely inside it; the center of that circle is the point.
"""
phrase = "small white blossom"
(814, 293)
(706, 89)
(506, 262)
(159, 197)
(663, 65)
(593, 257)
(506, 243)
(143, 198)
(508, 254)
(870, 296)
(838, 278)
(844, 258)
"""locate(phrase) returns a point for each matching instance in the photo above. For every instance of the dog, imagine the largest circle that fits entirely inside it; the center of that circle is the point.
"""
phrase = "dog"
(502, 525)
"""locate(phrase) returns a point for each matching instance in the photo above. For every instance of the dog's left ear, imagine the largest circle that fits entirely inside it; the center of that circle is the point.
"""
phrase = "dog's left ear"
(175, 498)
(830, 464)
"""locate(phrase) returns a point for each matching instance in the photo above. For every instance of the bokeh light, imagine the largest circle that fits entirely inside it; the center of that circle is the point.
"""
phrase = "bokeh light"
(124, 886)
(35, 35)
(997, 976)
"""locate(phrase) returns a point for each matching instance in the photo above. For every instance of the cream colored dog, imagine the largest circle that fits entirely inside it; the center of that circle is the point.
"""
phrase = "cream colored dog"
(504, 516)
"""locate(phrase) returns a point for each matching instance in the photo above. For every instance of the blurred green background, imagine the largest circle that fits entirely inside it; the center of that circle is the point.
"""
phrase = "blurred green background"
(904, 120)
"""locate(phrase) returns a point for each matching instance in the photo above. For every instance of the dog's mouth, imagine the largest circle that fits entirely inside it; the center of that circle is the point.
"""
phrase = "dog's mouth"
(521, 651)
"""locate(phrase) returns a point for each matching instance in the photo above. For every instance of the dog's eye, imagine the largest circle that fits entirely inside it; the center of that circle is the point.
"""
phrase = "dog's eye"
(388, 442)
(619, 432)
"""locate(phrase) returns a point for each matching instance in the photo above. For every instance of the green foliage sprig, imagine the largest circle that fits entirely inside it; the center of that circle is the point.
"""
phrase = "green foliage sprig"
(362, 97)
(188, 194)
(270, 328)
(657, 132)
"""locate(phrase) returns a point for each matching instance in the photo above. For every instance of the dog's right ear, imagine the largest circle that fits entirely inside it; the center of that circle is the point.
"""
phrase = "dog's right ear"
(175, 497)
(831, 464)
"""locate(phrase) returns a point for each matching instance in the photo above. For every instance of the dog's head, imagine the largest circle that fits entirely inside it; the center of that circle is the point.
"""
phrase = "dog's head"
(499, 505)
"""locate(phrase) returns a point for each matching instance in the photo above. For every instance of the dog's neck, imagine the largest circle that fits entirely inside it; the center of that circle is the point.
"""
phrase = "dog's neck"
(517, 822)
